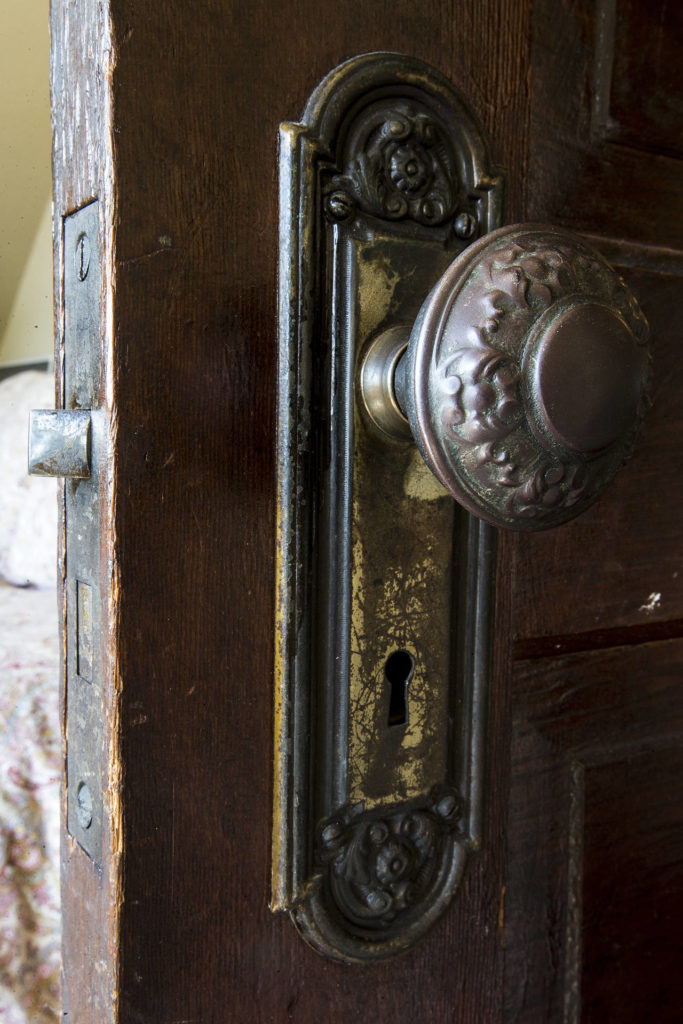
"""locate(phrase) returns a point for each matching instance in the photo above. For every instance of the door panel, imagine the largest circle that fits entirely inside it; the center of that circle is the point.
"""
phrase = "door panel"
(633, 874)
(605, 121)
(594, 869)
(618, 565)
(168, 114)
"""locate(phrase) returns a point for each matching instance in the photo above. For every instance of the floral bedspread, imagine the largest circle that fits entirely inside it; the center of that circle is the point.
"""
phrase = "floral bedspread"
(30, 741)
(30, 770)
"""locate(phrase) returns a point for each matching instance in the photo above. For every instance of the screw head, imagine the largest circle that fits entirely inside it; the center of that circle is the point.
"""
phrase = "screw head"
(82, 256)
(448, 806)
(465, 225)
(332, 833)
(339, 205)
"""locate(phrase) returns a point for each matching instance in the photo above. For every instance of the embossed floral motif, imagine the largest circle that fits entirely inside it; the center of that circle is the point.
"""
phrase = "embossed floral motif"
(478, 392)
(409, 169)
(531, 277)
(551, 486)
(479, 389)
(382, 865)
(400, 165)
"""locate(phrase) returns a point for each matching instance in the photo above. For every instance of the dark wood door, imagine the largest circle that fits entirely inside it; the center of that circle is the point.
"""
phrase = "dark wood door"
(168, 114)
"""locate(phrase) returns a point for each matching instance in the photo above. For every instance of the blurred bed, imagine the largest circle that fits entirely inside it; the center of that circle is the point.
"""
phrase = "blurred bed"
(30, 741)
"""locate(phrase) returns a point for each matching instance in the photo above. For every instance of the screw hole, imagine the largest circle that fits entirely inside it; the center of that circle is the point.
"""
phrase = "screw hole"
(398, 671)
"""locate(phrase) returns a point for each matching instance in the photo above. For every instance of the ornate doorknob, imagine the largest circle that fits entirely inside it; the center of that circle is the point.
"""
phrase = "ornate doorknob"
(524, 379)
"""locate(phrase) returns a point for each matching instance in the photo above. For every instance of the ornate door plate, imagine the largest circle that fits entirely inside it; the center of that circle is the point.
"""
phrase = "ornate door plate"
(384, 585)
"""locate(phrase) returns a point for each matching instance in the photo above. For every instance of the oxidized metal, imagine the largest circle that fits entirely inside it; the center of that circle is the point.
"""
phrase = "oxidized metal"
(385, 866)
(399, 162)
(526, 377)
(377, 782)
(82, 362)
(59, 443)
(377, 382)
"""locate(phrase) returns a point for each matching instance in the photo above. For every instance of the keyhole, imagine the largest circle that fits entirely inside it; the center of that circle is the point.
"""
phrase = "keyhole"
(398, 672)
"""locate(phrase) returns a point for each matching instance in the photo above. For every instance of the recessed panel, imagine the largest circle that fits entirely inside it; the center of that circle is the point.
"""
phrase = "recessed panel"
(633, 889)
(639, 79)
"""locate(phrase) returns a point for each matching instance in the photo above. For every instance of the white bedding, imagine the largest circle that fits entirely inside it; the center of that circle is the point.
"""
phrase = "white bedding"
(30, 742)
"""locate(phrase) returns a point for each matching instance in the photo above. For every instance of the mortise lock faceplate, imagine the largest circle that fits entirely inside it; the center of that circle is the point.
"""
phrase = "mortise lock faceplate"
(68, 442)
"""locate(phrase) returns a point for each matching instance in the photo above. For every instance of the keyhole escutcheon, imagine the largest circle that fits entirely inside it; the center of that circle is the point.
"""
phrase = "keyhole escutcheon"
(398, 671)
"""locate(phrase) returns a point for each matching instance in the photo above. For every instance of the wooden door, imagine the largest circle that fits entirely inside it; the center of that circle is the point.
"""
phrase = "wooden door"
(168, 115)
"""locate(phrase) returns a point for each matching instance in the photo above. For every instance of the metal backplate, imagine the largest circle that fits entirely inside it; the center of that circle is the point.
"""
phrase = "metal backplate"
(384, 583)
(82, 362)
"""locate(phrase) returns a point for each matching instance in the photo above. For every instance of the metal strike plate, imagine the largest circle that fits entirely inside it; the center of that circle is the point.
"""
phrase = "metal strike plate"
(80, 421)
(384, 585)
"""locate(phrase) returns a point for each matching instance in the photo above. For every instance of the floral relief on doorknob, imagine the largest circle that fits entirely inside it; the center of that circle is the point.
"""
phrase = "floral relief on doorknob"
(398, 163)
(509, 409)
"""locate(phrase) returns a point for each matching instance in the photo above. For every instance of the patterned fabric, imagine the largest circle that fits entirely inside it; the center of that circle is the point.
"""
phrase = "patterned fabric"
(30, 770)
(30, 742)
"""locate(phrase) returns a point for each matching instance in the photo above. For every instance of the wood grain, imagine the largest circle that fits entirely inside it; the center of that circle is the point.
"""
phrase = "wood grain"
(633, 883)
(621, 563)
(82, 160)
(171, 119)
(198, 92)
(594, 809)
(629, 187)
(646, 81)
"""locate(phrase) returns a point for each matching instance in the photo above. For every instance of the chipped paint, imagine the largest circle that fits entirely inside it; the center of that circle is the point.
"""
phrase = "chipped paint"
(401, 589)
(377, 283)
(362, 717)
(419, 481)
(652, 604)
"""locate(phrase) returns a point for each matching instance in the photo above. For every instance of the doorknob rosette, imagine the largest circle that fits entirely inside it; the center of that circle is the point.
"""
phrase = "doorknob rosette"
(526, 376)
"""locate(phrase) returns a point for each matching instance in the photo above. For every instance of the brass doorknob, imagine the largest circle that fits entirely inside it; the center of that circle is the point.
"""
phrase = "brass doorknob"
(524, 379)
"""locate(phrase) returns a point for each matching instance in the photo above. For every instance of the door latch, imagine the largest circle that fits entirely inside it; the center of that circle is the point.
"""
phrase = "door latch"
(68, 443)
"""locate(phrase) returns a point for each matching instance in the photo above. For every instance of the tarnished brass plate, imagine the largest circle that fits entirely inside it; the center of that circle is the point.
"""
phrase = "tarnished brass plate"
(384, 583)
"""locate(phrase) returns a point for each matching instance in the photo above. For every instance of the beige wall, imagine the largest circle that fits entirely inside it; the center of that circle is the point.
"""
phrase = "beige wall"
(25, 182)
